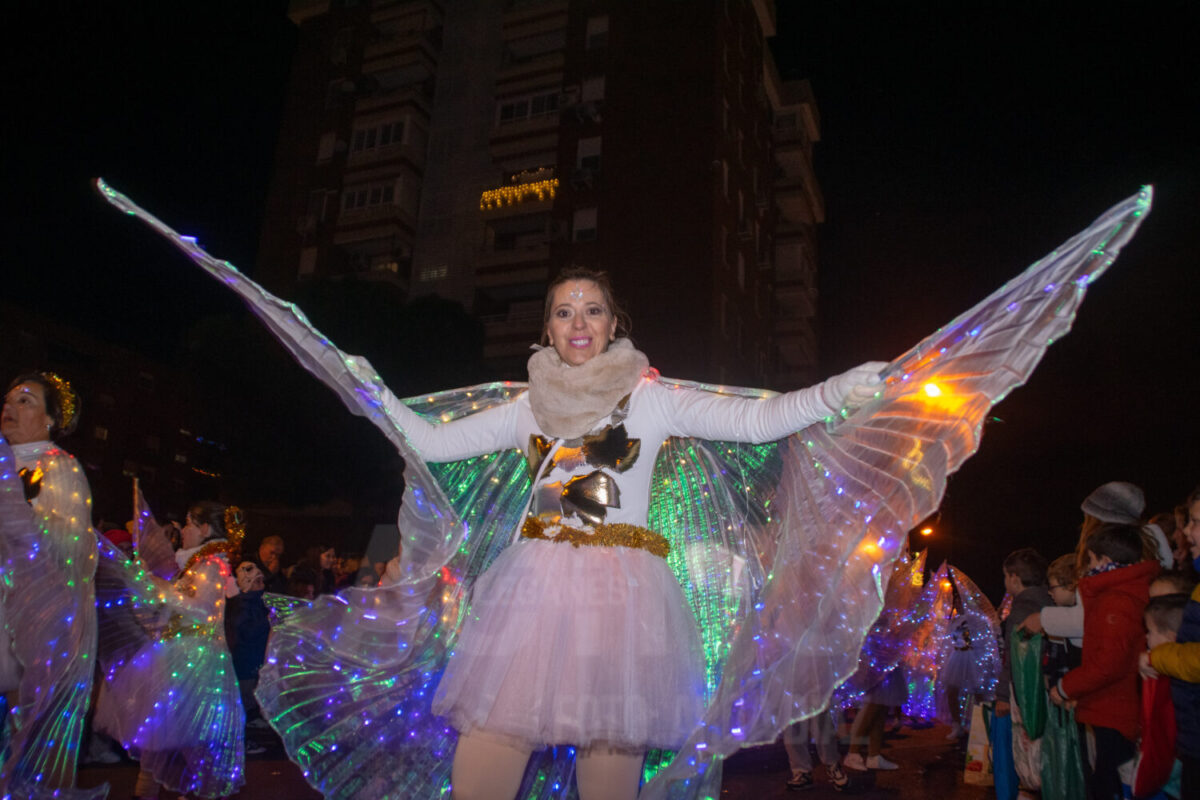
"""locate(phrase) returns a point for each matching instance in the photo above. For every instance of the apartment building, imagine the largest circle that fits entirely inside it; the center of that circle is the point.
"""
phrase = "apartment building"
(472, 148)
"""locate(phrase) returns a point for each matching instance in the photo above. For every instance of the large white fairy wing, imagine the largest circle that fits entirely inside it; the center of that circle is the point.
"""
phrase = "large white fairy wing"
(430, 529)
(850, 492)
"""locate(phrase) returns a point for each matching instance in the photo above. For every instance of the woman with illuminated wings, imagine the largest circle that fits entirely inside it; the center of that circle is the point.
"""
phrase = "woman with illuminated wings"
(780, 549)
(173, 702)
(48, 616)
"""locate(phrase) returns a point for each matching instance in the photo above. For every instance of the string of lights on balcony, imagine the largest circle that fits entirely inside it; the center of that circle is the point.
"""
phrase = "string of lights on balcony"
(512, 195)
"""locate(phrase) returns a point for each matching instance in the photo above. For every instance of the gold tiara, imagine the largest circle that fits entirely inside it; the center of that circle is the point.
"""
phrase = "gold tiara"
(235, 528)
(66, 398)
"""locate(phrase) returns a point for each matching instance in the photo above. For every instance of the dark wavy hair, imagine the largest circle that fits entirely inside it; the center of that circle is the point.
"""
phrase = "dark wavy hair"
(213, 513)
(54, 402)
(598, 277)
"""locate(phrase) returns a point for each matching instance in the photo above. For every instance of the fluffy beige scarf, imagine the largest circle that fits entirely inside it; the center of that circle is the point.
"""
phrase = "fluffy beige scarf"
(568, 401)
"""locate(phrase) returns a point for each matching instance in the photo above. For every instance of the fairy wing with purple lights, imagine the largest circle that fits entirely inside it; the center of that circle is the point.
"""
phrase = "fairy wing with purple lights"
(853, 490)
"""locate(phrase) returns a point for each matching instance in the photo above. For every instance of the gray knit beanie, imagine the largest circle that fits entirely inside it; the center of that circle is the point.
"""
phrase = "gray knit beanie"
(1117, 501)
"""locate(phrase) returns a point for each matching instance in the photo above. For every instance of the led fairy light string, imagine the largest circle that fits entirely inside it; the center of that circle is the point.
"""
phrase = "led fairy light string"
(514, 195)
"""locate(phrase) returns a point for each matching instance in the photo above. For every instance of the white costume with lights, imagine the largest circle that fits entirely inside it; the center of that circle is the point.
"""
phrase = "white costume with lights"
(782, 550)
(174, 703)
(565, 628)
(48, 559)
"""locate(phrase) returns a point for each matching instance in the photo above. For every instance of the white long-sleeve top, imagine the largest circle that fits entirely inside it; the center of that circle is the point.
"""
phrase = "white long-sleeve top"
(656, 412)
(1065, 622)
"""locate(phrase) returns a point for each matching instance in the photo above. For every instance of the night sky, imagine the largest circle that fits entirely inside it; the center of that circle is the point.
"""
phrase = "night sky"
(960, 142)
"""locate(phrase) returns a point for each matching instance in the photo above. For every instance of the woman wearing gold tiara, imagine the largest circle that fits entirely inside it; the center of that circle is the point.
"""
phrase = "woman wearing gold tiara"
(49, 614)
(174, 704)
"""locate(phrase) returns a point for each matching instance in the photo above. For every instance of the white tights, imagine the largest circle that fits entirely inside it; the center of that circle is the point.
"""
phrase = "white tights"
(489, 768)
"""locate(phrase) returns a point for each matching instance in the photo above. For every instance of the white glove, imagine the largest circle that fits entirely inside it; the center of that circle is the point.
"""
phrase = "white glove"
(854, 387)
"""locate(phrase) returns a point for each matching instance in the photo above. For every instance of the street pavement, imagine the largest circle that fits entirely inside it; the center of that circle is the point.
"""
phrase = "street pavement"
(930, 767)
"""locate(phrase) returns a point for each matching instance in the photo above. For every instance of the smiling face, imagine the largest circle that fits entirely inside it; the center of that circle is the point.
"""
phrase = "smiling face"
(24, 418)
(1192, 529)
(581, 324)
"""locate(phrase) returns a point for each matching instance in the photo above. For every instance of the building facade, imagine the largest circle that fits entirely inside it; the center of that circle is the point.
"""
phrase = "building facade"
(138, 418)
(472, 148)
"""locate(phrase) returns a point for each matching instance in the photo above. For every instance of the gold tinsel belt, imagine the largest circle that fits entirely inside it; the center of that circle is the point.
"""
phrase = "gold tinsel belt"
(616, 534)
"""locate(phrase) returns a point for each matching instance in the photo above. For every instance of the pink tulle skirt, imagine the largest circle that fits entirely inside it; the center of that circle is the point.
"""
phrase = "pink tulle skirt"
(567, 645)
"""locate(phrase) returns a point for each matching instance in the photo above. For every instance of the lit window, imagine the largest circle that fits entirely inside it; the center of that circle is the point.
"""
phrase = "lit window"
(376, 135)
(100, 432)
(538, 105)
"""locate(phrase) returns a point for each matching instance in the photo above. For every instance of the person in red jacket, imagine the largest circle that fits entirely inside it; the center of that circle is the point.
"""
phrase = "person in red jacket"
(1104, 688)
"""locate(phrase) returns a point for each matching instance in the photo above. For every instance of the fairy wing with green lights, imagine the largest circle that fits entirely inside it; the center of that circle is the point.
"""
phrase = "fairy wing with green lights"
(850, 491)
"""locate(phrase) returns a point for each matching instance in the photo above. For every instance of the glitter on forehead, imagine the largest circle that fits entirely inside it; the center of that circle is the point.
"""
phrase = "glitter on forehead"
(576, 293)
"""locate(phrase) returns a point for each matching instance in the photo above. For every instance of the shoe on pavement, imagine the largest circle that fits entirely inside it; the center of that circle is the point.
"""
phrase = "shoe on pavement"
(879, 762)
(801, 779)
(837, 776)
(854, 761)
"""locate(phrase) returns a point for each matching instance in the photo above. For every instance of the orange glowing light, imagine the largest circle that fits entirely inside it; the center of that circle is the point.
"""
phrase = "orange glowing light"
(927, 531)
(932, 390)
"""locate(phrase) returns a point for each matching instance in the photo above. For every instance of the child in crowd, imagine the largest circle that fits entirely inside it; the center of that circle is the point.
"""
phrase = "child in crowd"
(1180, 661)
(1115, 589)
(1172, 581)
(1061, 655)
(1156, 760)
(1025, 582)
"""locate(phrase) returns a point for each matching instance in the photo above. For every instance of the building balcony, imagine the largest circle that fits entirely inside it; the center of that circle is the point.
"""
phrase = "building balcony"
(415, 97)
(537, 68)
(765, 11)
(385, 11)
(412, 60)
(538, 253)
(794, 305)
(300, 11)
(374, 222)
(522, 15)
(429, 40)
(502, 275)
(510, 334)
(800, 199)
(365, 159)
